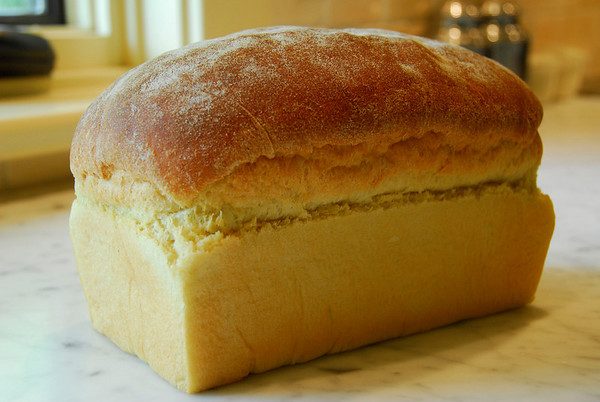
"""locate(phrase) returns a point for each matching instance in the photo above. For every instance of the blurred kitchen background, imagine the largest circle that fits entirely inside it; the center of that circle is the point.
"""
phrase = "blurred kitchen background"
(80, 47)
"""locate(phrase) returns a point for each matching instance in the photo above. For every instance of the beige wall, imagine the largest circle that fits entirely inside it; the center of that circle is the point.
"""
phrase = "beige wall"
(551, 23)
(411, 16)
(572, 23)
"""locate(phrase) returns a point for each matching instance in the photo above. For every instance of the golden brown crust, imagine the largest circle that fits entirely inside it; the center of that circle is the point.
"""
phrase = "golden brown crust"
(196, 116)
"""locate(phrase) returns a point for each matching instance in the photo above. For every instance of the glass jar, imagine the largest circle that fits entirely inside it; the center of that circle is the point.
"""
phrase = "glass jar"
(507, 41)
(460, 25)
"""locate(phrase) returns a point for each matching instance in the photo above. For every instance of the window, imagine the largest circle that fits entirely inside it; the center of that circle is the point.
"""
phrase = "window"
(24, 12)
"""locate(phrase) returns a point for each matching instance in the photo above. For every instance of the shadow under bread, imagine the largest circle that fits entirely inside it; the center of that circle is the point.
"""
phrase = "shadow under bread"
(406, 360)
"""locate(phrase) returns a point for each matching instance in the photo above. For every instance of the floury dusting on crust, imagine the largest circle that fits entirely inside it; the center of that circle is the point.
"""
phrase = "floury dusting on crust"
(173, 71)
(203, 118)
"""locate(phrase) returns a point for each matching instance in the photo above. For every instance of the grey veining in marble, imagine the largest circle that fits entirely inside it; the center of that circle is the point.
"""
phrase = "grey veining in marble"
(549, 350)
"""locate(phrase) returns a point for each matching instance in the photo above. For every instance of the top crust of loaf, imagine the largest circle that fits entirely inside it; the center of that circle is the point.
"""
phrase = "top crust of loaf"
(212, 118)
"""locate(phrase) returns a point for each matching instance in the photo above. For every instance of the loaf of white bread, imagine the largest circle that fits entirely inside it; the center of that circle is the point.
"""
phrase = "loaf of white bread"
(276, 195)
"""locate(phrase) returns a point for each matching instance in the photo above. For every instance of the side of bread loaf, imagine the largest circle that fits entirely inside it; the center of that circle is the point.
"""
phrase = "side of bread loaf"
(293, 291)
(276, 195)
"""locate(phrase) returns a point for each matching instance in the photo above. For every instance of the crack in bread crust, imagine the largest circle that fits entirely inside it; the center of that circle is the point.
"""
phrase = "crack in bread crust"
(330, 174)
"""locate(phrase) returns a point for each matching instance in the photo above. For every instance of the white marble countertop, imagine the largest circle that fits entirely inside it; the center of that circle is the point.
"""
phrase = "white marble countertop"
(549, 350)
